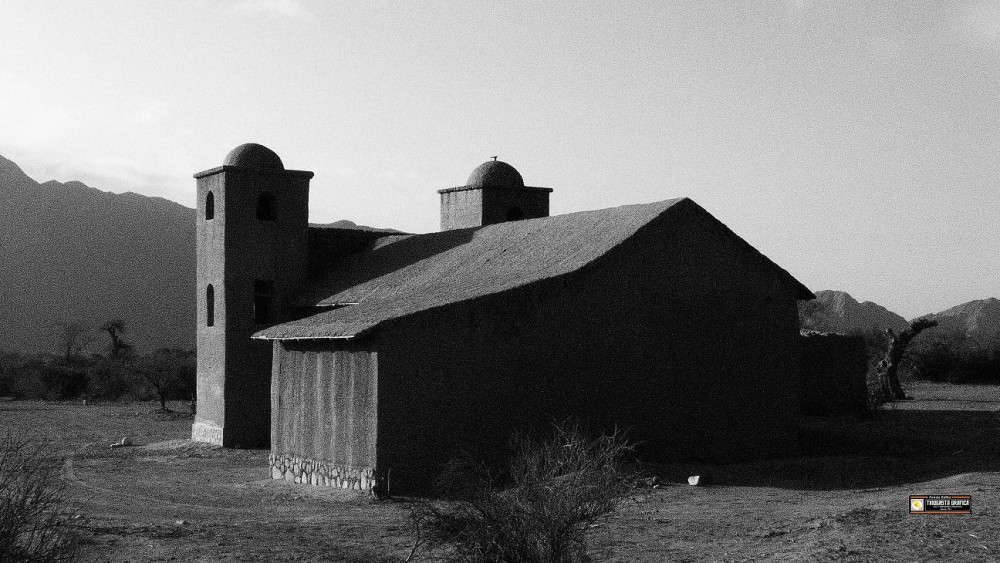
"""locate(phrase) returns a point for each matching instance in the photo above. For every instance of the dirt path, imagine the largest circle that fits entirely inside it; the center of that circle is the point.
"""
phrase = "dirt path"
(844, 499)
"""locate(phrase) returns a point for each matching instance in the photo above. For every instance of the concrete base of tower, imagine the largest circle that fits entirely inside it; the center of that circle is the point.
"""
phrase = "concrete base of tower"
(205, 431)
(255, 437)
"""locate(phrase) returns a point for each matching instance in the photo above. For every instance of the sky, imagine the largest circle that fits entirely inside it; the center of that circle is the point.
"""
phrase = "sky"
(856, 144)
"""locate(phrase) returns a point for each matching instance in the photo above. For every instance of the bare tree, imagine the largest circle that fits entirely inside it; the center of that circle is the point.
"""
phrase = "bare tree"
(75, 337)
(119, 347)
(886, 372)
(169, 371)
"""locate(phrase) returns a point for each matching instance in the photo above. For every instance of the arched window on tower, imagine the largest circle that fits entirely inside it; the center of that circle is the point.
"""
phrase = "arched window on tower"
(266, 207)
(210, 306)
(209, 206)
(515, 214)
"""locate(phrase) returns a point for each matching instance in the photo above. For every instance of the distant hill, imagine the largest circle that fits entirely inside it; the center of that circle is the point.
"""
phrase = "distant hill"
(837, 311)
(977, 320)
(71, 253)
(345, 224)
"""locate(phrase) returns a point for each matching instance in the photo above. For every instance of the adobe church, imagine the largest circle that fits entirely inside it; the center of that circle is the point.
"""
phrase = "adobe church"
(360, 355)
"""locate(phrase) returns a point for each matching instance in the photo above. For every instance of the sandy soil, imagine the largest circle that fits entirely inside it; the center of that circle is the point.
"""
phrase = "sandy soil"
(845, 498)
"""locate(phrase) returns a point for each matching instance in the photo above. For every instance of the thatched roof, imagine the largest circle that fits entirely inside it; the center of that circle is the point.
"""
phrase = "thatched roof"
(400, 275)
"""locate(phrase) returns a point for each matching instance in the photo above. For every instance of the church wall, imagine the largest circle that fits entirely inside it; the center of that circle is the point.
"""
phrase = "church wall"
(680, 335)
(323, 409)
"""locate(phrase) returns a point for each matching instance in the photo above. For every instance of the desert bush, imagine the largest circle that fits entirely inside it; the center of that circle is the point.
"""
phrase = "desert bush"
(540, 510)
(948, 355)
(8, 363)
(166, 373)
(44, 376)
(34, 519)
(111, 379)
(170, 372)
(64, 379)
(21, 375)
(6, 375)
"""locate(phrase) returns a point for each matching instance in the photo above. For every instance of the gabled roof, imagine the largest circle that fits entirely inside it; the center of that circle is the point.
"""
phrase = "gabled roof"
(405, 274)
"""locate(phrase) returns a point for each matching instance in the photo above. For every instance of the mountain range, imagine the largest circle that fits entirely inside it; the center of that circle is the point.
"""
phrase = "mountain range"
(73, 254)
(977, 320)
(70, 253)
(837, 311)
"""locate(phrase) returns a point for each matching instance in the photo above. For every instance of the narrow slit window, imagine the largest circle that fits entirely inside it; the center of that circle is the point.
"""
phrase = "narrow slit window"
(266, 207)
(210, 206)
(210, 306)
(263, 301)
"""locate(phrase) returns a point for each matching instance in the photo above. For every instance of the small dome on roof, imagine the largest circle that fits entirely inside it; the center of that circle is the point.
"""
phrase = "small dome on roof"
(252, 155)
(495, 174)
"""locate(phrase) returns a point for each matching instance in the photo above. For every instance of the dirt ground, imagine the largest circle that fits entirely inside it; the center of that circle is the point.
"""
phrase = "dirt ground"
(845, 498)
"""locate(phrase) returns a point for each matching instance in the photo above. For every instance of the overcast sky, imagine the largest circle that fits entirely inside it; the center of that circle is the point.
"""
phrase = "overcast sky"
(857, 144)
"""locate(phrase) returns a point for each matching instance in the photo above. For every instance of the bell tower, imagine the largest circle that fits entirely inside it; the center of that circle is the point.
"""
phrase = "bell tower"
(252, 236)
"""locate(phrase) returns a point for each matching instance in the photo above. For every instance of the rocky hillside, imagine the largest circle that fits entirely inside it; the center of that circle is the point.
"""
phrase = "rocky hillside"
(837, 311)
(978, 320)
(74, 254)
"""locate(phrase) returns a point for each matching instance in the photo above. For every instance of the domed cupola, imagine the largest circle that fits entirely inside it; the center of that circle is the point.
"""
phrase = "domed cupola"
(495, 174)
(252, 155)
(494, 193)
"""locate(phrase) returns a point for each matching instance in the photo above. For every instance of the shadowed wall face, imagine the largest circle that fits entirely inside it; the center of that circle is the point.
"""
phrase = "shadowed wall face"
(501, 205)
(680, 335)
(834, 372)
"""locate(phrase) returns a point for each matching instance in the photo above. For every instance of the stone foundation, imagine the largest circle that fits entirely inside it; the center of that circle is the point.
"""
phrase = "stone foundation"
(206, 432)
(296, 469)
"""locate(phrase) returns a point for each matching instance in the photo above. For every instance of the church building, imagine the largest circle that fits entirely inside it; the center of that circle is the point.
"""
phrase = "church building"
(366, 356)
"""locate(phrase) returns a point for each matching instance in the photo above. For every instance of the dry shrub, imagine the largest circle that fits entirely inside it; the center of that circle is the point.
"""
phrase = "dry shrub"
(554, 491)
(949, 355)
(33, 517)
